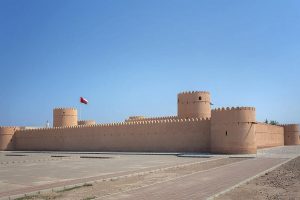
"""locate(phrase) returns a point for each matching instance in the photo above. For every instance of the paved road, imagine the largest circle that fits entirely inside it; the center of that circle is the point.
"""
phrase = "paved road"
(201, 185)
(37, 171)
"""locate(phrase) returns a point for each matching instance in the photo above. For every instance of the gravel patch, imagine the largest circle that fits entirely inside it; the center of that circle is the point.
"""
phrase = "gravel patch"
(281, 183)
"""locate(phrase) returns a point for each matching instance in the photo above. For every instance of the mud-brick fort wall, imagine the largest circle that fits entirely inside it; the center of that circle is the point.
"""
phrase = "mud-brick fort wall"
(187, 135)
(197, 128)
(268, 135)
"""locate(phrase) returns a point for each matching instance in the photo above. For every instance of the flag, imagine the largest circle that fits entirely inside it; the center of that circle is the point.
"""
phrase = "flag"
(83, 100)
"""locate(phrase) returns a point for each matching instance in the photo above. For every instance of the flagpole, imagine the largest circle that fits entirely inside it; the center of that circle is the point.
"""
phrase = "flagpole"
(79, 110)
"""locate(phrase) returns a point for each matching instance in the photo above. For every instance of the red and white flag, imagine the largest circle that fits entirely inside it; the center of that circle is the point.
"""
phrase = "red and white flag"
(83, 100)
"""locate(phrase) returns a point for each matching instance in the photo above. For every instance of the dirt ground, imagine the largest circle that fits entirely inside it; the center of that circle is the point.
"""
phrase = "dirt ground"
(281, 183)
(105, 188)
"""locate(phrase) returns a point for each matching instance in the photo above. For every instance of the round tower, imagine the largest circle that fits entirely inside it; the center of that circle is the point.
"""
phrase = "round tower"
(86, 122)
(194, 104)
(64, 117)
(6, 138)
(233, 130)
(291, 134)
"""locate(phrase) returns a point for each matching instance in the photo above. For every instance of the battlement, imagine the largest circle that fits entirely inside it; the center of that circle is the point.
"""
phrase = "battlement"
(9, 127)
(8, 130)
(193, 92)
(115, 124)
(141, 118)
(232, 109)
(234, 115)
(70, 108)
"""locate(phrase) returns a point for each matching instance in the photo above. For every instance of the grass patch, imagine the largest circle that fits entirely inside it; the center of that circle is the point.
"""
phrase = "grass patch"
(38, 196)
(75, 187)
(27, 197)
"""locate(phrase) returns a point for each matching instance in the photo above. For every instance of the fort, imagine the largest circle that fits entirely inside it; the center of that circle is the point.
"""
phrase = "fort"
(196, 128)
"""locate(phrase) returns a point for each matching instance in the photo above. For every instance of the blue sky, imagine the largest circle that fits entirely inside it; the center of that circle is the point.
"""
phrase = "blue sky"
(132, 57)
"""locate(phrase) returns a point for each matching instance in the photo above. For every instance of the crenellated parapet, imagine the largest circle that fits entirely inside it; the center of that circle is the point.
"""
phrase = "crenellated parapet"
(142, 118)
(6, 137)
(234, 114)
(193, 104)
(64, 117)
(291, 134)
(233, 130)
(115, 124)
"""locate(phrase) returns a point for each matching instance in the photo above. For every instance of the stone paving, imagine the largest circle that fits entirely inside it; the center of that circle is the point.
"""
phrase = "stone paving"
(203, 184)
(37, 171)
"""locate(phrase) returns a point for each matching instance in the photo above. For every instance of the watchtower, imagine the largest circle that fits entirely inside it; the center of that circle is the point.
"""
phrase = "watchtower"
(6, 138)
(291, 134)
(64, 117)
(233, 130)
(194, 104)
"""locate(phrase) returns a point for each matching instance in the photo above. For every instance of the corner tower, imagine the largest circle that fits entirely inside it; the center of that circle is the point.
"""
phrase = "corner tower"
(6, 138)
(233, 130)
(291, 134)
(64, 117)
(194, 104)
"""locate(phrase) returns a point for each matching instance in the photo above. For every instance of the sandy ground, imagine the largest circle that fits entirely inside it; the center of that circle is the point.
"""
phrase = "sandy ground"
(105, 188)
(281, 183)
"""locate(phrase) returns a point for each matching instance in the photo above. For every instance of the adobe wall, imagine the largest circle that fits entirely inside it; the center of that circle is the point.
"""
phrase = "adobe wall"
(193, 104)
(190, 135)
(86, 122)
(233, 130)
(268, 135)
(291, 134)
(6, 138)
(63, 117)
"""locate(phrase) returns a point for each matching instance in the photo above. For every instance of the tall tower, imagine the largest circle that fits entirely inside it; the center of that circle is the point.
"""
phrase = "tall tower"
(6, 138)
(232, 130)
(64, 117)
(194, 104)
(291, 134)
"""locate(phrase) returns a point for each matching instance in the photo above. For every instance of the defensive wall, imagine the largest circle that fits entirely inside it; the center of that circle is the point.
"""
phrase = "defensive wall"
(268, 135)
(196, 128)
(180, 135)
